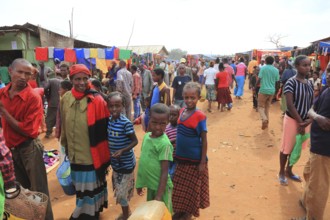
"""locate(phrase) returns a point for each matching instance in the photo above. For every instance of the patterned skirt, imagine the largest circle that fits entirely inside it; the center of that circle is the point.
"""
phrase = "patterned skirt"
(123, 187)
(91, 193)
(223, 96)
(191, 189)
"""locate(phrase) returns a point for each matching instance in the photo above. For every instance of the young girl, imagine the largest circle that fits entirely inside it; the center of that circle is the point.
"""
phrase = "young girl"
(222, 84)
(156, 152)
(191, 178)
(122, 139)
(171, 132)
(299, 99)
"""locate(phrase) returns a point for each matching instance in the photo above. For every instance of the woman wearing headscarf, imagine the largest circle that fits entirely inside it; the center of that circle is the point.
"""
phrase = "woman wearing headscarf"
(84, 117)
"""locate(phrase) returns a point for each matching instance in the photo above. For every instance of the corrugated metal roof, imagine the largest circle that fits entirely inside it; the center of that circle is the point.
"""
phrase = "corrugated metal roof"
(146, 49)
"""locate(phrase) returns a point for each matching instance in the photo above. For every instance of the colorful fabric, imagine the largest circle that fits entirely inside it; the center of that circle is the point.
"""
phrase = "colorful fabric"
(210, 92)
(41, 53)
(87, 53)
(188, 141)
(123, 187)
(91, 193)
(118, 132)
(101, 64)
(109, 53)
(4, 75)
(252, 64)
(223, 96)
(93, 52)
(269, 75)
(6, 164)
(290, 131)
(239, 90)
(116, 53)
(100, 53)
(70, 55)
(50, 52)
(124, 54)
(79, 53)
(191, 191)
(59, 54)
(25, 106)
(153, 151)
(240, 69)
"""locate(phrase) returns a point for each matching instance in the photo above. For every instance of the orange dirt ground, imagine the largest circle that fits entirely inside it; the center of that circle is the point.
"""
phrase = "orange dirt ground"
(243, 166)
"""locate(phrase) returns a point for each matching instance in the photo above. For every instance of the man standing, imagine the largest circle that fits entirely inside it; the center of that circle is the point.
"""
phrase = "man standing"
(251, 66)
(209, 77)
(136, 91)
(44, 73)
(317, 170)
(268, 76)
(124, 84)
(21, 111)
(147, 84)
(178, 84)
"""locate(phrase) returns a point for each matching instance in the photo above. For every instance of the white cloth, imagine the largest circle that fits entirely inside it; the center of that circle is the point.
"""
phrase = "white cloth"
(87, 53)
(101, 53)
(209, 75)
(50, 52)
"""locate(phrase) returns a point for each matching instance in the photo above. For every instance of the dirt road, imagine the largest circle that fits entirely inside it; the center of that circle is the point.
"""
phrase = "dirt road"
(243, 166)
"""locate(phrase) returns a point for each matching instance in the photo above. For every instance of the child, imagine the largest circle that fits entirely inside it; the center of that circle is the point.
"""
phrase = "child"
(122, 139)
(156, 152)
(222, 85)
(136, 91)
(191, 178)
(171, 130)
(144, 118)
(255, 86)
(316, 83)
(299, 94)
(160, 93)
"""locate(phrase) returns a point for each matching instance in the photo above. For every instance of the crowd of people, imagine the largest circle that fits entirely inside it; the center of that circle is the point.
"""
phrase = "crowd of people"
(92, 116)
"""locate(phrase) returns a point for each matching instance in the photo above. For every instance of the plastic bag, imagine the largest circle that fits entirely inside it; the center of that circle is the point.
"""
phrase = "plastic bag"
(203, 94)
(296, 152)
(63, 175)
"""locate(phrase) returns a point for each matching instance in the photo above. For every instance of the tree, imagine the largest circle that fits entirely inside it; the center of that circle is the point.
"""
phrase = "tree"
(177, 54)
(276, 39)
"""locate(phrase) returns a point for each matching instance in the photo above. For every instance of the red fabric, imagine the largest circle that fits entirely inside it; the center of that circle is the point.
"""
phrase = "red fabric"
(26, 108)
(40, 91)
(222, 78)
(41, 53)
(116, 53)
(79, 68)
(6, 164)
(70, 55)
(97, 119)
(324, 60)
(33, 83)
(78, 95)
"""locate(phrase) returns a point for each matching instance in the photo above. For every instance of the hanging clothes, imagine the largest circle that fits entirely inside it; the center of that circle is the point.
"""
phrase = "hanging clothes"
(100, 53)
(79, 53)
(41, 53)
(50, 52)
(93, 52)
(124, 54)
(59, 54)
(109, 53)
(87, 53)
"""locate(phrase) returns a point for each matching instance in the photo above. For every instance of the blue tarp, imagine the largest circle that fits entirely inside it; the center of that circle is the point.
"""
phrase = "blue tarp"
(324, 44)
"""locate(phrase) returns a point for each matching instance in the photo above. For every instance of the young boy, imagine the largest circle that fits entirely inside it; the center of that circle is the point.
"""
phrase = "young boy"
(160, 93)
(136, 91)
(178, 84)
(156, 152)
(171, 131)
(144, 118)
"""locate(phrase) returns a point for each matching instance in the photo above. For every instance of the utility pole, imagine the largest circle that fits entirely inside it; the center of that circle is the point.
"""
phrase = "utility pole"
(71, 25)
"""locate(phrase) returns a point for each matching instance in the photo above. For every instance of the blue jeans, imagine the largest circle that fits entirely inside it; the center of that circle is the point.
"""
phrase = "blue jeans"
(136, 107)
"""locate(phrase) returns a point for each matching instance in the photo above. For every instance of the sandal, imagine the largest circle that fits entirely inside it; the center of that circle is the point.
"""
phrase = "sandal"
(295, 177)
(283, 180)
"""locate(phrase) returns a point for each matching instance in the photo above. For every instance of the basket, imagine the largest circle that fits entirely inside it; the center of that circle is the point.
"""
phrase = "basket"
(63, 175)
(26, 204)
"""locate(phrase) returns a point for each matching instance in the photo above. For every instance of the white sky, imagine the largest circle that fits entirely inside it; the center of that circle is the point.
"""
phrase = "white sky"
(198, 26)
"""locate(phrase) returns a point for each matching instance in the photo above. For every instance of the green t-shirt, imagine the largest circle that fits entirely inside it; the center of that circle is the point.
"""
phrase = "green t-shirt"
(269, 75)
(2, 196)
(153, 151)
(4, 75)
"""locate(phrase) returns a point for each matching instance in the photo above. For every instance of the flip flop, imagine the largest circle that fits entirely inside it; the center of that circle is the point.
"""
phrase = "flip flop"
(295, 177)
(283, 180)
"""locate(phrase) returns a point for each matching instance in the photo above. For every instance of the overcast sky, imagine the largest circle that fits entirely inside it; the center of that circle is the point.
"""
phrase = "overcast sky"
(197, 26)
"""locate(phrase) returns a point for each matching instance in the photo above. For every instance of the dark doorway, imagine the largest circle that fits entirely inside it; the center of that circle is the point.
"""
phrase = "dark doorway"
(8, 56)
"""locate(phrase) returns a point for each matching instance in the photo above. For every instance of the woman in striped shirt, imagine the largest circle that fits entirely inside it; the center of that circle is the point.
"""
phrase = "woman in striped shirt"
(299, 99)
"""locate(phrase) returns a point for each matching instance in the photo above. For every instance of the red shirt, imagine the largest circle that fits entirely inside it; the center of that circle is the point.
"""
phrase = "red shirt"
(222, 78)
(26, 108)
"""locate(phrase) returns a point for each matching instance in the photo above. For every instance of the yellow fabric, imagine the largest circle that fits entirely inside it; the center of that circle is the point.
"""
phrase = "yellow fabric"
(251, 65)
(74, 133)
(93, 53)
(101, 64)
(162, 86)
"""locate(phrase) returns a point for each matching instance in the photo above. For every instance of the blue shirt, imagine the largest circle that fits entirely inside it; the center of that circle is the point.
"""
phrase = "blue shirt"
(118, 131)
(155, 96)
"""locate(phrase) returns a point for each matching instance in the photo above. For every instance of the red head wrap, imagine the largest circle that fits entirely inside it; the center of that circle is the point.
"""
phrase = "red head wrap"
(79, 68)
